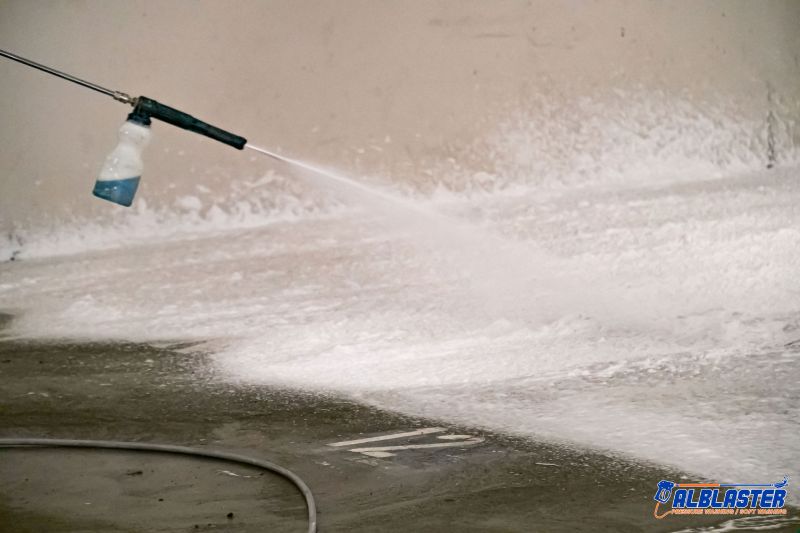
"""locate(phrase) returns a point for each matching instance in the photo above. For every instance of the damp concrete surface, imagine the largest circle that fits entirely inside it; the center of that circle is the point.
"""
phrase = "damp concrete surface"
(159, 394)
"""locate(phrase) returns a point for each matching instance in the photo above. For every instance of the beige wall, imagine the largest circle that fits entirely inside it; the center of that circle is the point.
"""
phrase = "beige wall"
(321, 79)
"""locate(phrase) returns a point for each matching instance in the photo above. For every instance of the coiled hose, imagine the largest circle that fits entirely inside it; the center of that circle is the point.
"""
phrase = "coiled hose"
(180, 450)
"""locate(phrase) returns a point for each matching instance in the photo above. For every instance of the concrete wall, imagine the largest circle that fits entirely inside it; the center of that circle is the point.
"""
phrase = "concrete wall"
(324, 79)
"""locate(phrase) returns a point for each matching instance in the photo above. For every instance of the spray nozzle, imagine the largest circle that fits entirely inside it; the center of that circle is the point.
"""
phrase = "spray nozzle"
(147, 107)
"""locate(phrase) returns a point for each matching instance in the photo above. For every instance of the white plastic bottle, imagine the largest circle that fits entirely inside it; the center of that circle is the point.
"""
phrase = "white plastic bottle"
(123, 167)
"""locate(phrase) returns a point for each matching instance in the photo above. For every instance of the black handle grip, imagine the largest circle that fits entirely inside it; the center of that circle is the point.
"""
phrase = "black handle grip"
(183, 120)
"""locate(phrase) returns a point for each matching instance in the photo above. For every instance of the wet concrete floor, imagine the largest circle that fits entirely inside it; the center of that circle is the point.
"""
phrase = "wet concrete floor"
(131, 392)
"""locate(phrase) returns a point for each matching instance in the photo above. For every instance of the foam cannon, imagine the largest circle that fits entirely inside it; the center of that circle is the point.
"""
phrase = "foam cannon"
(122, 169)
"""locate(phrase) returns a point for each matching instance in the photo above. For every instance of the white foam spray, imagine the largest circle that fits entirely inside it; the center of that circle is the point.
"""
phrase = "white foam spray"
(624, 306)
(500, 278)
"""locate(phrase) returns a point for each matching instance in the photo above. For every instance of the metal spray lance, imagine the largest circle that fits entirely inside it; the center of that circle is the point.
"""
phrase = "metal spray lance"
(119, 177)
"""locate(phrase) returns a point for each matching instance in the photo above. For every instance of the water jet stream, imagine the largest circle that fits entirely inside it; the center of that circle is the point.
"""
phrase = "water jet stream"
(336, 177)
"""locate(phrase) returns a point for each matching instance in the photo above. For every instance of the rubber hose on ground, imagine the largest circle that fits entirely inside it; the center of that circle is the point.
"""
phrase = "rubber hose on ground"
(181, 450)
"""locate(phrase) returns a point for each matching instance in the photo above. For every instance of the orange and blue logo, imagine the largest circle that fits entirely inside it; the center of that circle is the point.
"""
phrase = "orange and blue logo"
(720, 498)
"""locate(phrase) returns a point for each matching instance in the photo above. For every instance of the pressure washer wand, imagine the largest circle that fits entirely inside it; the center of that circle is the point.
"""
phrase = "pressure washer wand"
(116, 95)
(122, 169)
(144, 106)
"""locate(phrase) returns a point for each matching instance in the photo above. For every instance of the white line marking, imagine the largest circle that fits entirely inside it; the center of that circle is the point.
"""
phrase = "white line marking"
(382, 449)
(229, 473)
(454, 437)
(379, 455)
(391, 436)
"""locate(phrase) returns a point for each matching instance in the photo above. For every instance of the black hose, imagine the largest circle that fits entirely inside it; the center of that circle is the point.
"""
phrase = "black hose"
(181, 450)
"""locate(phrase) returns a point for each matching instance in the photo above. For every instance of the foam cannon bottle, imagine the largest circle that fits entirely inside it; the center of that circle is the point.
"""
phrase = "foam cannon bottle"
(122, 170)
(119, 177)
